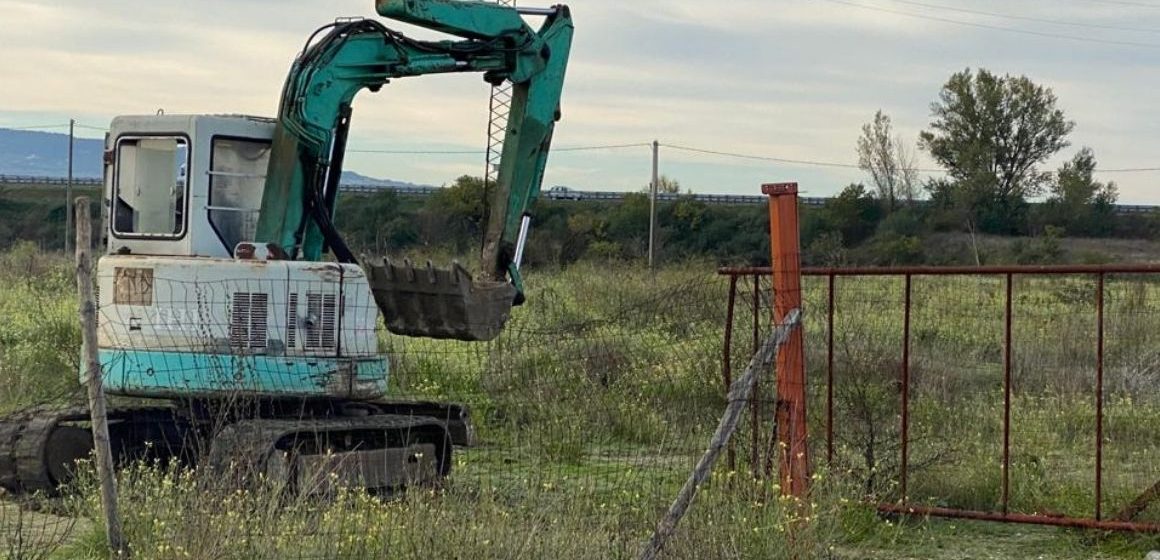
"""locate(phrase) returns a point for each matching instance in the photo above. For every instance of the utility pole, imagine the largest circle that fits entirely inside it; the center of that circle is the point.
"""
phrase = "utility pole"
(652, 205)
(68, 190)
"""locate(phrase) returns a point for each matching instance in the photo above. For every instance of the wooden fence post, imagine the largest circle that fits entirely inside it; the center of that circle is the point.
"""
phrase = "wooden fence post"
(93, 379)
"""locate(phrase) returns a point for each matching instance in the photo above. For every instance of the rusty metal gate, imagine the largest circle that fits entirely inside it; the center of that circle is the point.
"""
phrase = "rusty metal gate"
(1025, 394)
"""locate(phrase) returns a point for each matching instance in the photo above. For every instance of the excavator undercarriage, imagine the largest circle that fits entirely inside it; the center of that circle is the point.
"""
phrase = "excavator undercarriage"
(313, 448)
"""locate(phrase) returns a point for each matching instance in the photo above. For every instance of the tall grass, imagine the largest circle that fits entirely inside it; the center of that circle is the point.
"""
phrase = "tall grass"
(39, 329)
(593, 406)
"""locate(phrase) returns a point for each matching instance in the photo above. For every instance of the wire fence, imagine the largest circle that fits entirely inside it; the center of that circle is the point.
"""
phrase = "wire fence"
(1023, 394)
(594, 405)
(588, 414)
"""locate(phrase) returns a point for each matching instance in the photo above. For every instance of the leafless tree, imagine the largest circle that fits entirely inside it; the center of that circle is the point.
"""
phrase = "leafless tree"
(890, 162)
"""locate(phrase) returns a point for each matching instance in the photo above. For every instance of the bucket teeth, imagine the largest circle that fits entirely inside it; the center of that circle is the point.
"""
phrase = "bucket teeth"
(438, 302)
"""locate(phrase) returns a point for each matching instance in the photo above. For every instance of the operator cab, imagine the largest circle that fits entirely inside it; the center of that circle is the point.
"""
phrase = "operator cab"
(184, 185)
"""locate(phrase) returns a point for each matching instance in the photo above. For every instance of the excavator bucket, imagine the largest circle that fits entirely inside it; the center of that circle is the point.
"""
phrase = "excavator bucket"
(439, 303)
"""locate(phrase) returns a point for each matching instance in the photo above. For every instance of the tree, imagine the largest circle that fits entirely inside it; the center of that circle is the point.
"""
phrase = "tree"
(627, 224)
(375, 223)
(454, 216)
(1077, 202)
(990, 133)
(668, 185)
(853, 213)
(888, 160)
(665, 185)
(826, 250)
(682, 224)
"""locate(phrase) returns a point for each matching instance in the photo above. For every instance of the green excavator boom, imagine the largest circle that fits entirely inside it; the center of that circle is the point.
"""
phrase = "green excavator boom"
(297, 212)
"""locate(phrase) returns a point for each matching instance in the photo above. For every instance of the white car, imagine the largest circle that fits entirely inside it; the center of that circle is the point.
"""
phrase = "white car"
(560, 192)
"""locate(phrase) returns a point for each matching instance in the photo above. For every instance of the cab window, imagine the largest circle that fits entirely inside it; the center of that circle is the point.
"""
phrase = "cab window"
(151, 186)
(236, 178)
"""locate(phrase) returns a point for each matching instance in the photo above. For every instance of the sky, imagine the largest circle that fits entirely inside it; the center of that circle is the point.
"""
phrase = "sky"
(781, 79)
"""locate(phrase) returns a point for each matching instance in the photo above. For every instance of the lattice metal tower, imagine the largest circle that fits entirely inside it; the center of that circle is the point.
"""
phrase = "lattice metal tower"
(500, 106)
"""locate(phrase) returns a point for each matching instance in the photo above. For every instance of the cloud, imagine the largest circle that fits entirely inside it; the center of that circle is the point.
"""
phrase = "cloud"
(784, 78)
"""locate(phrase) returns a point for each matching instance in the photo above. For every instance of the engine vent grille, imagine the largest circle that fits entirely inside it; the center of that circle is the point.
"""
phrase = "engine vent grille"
(321, 311)
(249, 320)
(292, 321)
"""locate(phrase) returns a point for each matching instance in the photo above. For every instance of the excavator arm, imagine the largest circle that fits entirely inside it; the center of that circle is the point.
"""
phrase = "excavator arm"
(298, 202)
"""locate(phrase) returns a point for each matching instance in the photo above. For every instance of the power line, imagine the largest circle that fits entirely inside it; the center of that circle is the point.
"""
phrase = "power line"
(996, 27)
(605, 147)
(737, 155)
(416, 152)
(1127, 170)
(476, 152)
(377, 151)
(1026, 18)
(815, 163)
(37, 126)
(1126, 3)
(818, 163)
(48, 126)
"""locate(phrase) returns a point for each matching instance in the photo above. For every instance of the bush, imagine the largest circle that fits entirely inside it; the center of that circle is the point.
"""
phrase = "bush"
(892, 249)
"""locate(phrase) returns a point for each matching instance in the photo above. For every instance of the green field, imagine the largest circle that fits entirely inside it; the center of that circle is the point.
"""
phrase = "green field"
(595, 403)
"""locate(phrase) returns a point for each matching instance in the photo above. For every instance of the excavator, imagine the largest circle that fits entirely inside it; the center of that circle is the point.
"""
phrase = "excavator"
(229, 302)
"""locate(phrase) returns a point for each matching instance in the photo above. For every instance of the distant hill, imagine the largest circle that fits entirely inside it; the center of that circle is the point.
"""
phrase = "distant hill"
(45, 154)
(352, 178)
(28, 152)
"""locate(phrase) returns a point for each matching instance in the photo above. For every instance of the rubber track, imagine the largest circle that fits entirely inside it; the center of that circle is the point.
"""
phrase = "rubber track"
(256, 439)
(24, 437)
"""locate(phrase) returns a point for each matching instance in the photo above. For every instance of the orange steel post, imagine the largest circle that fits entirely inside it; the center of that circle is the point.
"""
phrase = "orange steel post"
(791, 379)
